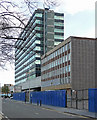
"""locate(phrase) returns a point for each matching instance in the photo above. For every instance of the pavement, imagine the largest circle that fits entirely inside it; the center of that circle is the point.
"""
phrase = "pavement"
(74, 111)
(84, 113)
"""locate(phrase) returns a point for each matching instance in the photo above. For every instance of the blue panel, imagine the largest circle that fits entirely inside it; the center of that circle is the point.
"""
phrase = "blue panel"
(92, 100)
(19, 96)
(55, 98)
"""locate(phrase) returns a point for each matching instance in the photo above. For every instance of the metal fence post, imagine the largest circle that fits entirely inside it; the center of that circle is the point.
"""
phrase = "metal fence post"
(37, 102)
(76, 100)
(83, 98)
(40, 102)
(71, 98)
(66, 98)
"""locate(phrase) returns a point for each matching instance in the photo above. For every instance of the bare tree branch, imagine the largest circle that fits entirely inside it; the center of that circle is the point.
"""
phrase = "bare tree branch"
(13, 19)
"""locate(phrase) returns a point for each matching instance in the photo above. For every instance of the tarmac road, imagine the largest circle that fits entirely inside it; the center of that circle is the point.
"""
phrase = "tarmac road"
(17, 109)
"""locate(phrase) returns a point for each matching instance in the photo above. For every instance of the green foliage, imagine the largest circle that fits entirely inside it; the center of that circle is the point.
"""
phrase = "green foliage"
(5, 89)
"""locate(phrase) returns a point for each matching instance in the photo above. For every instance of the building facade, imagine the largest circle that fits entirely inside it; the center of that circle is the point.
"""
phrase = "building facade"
(44, 31)
(70, 65)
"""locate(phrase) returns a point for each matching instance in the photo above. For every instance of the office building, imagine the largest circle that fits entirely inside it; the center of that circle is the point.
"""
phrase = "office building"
(70, 65)
(43, 32)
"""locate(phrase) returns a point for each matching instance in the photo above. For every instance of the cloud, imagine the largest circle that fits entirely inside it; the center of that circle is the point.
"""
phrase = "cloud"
(75, 6)
(90, 33)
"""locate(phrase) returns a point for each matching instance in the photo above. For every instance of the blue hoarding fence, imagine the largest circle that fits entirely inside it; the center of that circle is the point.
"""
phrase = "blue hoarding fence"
(54, 98)
(19, 96)
(92, 100)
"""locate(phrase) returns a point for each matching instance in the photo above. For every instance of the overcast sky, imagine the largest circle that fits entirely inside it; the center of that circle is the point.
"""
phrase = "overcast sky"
(79, 21)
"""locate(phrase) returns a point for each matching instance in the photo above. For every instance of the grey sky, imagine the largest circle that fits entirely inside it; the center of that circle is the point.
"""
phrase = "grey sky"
(80, 24)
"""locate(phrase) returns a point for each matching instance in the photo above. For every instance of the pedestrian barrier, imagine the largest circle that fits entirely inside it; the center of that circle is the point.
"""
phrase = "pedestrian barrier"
(92, 100)
(54, 98)
(19, 96)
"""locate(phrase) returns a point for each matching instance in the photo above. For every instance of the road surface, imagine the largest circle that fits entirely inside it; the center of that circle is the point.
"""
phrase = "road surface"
(17, 109)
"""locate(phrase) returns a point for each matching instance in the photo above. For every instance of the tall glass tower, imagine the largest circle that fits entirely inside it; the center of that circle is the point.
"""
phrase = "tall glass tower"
(44, 31)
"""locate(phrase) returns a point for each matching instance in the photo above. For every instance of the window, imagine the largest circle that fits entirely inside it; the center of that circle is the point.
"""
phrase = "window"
(63, 71)
(59, 30)
(66, 69)
(69, 79)
(37, 41)
(58, 24)
(33, 70)
(63, 49)
(37, 48)
(52, 55)
(37, 62)
(65, 79)
(56, 62)
(37, 55)
(51, 64)
(66, 58)
(37, 28)
(66, 47)
(69, 68)
(33, 76)
(60, 60)
(58, 37)
(48, 58)
(38, 15)
(69, 45)
(63, 59)
(38, 21)
(69, 56)
(56, 53)
(59, 17)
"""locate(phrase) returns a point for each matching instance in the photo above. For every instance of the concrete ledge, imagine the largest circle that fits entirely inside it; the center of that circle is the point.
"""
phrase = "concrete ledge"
(57, 87)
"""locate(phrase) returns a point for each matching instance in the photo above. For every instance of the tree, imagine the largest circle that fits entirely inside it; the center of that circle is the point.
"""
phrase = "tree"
(13, 19)
(5, 89)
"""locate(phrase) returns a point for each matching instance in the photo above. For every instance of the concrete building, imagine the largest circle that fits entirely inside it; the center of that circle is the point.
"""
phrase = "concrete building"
(44, 31)
(11, 88)
(70, 65)
(8, 85)
(33, 85)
